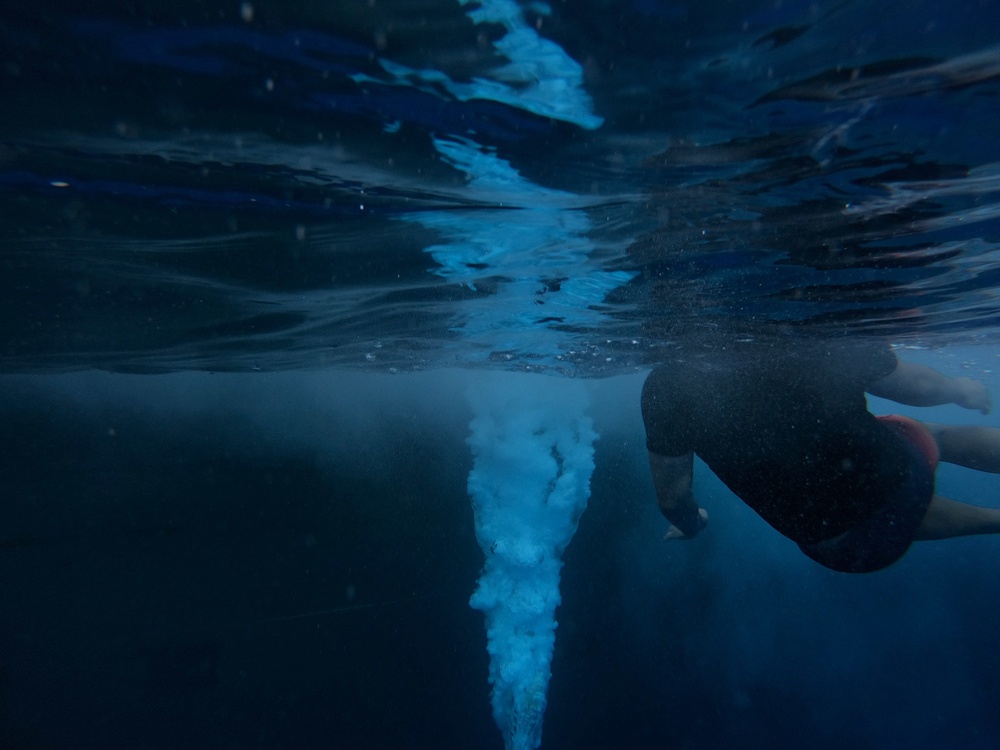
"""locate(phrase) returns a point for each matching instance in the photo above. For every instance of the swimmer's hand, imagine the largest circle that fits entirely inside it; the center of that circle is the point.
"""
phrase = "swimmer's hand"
(972, 394)
(674, 533)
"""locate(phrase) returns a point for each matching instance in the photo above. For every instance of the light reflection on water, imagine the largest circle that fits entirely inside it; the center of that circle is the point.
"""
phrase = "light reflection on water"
(491, 185)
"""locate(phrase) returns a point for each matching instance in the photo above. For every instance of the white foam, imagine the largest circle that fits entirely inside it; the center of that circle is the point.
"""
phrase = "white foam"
(534, 456)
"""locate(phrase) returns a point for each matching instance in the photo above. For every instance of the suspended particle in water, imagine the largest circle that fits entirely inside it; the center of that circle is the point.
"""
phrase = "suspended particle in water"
(300, 232)
(246, 12)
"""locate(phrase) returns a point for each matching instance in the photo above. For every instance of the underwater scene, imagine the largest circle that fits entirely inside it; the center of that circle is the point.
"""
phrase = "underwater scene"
(424, 374)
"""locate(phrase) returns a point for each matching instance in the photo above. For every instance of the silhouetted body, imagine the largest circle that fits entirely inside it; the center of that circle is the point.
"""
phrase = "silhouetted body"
(786, 427)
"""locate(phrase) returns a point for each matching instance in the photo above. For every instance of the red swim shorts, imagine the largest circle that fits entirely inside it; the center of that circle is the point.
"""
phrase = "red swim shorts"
(916, 434)
(886, 535)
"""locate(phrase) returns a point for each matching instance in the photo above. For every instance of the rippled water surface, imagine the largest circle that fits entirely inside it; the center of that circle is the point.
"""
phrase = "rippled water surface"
(401, 185)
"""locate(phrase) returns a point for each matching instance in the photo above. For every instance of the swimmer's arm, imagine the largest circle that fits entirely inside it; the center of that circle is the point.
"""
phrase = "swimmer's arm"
(672, 479)
(916, 385)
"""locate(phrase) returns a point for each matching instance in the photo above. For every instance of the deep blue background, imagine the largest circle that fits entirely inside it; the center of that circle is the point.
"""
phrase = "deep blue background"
(286, 560)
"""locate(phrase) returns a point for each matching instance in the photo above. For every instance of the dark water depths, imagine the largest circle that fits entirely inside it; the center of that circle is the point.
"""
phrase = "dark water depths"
(270, 560)
(372, 191)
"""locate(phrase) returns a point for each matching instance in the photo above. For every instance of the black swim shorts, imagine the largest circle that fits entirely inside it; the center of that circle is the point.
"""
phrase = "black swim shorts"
(886, 535)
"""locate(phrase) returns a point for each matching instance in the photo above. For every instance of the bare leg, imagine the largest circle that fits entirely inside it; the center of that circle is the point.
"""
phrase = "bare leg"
(968, 445)
(947, 518)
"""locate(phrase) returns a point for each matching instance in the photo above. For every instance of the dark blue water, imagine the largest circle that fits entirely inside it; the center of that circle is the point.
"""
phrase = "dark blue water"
(242, 245)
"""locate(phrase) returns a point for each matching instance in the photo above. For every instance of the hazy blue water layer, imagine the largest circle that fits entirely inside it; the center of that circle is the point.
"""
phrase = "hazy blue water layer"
(189, 569)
